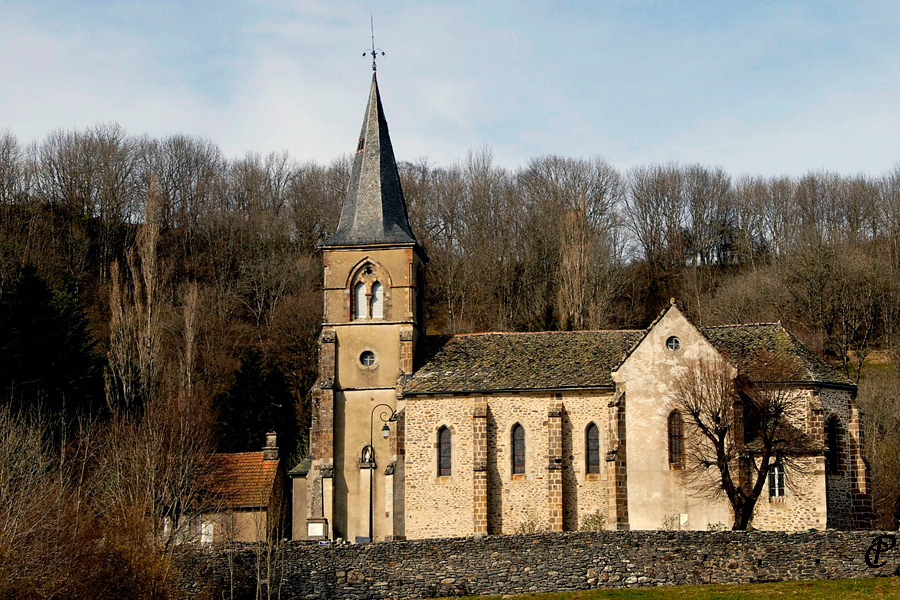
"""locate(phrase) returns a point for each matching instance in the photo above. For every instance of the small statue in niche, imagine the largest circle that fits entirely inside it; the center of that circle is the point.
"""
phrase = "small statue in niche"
(368, 455)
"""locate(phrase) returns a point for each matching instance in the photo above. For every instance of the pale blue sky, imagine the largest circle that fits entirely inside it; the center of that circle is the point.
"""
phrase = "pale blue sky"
(756, 87)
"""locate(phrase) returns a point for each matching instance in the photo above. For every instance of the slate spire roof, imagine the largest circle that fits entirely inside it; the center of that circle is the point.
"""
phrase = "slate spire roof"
(374, 210)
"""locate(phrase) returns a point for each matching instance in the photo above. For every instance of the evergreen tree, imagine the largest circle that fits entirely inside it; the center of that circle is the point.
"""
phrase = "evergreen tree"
(257, 400)
(47, 359)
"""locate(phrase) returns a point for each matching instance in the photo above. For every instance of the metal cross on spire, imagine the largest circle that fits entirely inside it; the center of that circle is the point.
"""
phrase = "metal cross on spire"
(374, 51)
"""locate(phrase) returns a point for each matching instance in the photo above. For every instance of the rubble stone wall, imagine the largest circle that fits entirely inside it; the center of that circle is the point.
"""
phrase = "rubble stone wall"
(530, 563)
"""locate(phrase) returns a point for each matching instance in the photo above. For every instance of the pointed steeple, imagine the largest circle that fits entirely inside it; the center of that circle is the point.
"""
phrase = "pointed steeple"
(374, 210)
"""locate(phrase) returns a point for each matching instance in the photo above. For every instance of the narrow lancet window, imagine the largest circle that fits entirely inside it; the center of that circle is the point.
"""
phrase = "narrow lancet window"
(593, 448)
(518, 449)
(444, 458)
(676, 440)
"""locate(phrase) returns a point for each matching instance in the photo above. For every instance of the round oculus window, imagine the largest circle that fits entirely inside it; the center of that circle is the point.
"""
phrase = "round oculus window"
(367, 358)
(673, 343)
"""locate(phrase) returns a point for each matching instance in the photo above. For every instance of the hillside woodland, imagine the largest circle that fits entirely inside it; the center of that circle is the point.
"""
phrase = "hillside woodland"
(159, 301)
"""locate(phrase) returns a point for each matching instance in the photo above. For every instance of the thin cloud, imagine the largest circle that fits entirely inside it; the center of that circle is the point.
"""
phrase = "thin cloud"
(771, 88)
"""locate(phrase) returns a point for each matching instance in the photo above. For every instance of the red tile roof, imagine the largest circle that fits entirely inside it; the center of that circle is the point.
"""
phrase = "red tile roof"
(239, 480)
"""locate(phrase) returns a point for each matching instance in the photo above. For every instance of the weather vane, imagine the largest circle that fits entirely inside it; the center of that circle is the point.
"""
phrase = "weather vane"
(374, 51)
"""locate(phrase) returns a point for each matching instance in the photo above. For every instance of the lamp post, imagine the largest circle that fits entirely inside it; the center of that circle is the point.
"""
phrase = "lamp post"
(386, 417)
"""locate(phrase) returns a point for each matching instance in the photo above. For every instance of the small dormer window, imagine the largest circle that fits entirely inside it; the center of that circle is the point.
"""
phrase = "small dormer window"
(673, 343)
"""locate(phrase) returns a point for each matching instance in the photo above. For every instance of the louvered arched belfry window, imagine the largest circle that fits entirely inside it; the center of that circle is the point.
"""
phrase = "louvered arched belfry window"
(360, 302)
(369, 293)
(377, 301)
(676, 440)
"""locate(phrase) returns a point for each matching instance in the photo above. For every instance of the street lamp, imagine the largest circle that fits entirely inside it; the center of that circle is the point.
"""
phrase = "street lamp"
(386, 417)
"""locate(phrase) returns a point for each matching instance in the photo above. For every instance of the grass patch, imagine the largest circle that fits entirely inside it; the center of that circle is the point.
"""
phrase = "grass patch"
(839, 589)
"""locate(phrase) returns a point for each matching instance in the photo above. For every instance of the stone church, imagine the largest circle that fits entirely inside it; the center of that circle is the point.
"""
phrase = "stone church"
(494, 433)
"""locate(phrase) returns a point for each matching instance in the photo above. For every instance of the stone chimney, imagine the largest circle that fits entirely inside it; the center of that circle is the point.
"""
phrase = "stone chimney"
(270, 450)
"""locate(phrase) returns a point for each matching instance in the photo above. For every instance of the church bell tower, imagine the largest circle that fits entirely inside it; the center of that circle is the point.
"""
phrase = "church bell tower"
(374, 275)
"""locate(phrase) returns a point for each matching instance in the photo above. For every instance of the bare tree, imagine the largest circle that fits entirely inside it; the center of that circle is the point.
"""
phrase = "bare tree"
(655, 213)
(879, 398)
(753, 296)
(742, 427)
(190, 306)
(858, 294)
(781, 223)
(11, 163)
(135, 321)
(710, 231)
(573, 209)
(708, 198)
(751, 243)
(447, 271)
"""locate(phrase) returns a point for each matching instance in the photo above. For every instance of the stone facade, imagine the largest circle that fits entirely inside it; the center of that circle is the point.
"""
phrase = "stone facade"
(532, 564)
(803, 505)
(379, 369)
(441, 504)
(555, 493)
(637, 489)
(655, 491)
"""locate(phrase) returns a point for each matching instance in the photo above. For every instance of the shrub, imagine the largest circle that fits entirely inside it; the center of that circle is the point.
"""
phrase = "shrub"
(594, 522)
(528, 525)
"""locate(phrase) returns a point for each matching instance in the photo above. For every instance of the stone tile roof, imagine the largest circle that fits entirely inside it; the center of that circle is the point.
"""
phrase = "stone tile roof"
(519, 361)
(753, 348)
(238, 480)
(302, 467)
(791, 440)
(585, 359)
(374, 210)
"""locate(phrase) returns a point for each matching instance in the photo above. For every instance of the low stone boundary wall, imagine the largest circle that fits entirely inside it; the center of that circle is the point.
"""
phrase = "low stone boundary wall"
(529, 563)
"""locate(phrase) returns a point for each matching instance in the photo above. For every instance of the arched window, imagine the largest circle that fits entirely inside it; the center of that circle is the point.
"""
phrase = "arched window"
(518, 449)
(833, 455)
(377, 301)
(676, 440)
(592, 444)
(360, 303)
(444, 460)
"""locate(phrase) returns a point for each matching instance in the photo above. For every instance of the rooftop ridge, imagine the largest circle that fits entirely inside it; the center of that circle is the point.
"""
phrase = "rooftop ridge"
(800, 348)
(762, 324)
(248, 453)
(474, 333)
